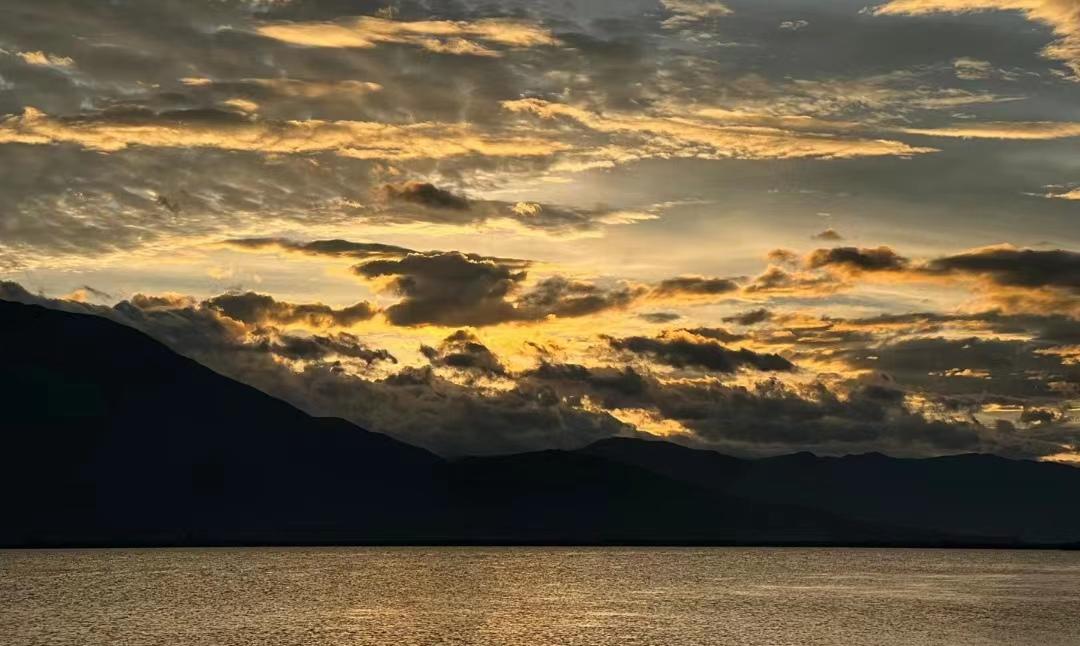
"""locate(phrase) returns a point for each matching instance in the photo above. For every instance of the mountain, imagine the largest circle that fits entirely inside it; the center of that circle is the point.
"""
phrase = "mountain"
(110, 438)
(963, 495)
(108, 434)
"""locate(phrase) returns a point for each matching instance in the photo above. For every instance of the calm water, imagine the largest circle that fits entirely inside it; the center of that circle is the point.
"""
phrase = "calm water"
(537, 597)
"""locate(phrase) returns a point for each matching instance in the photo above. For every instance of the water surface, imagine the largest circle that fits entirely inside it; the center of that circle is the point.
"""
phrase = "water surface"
(537, 597)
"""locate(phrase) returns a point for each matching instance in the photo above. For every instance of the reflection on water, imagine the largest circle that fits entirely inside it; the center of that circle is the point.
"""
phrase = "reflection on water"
(537, 597)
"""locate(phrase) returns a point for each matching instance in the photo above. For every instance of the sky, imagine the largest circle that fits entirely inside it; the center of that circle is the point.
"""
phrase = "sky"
(491, 226)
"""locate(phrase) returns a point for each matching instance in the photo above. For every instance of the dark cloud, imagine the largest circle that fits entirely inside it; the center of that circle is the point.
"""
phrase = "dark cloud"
(560, 296)
(1040, 416)
(696, 285)
(261, 309)
(462, 350)
(771, 416)
(857, 260)
(828, 235)
(716, 334)
(333, 248)
(779, 280)
(783, 257)
(625, 381)
(1048, 329)
(660, 317)
(969, 365)
(682, 352)
(456, 289)
(1015, 267)
(424, 194)
(319, 348)
(751, 317)
(86, 292)
(448, 288)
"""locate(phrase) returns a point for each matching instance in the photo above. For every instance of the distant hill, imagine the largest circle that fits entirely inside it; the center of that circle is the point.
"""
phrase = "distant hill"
(963, 495)
(110, 438)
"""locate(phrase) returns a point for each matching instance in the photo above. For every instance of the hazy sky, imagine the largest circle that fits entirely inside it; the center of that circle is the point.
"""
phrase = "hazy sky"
(498, 225)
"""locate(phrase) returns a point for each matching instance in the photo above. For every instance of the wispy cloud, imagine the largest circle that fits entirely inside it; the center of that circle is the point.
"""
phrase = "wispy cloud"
(356, 139)
(440, 36)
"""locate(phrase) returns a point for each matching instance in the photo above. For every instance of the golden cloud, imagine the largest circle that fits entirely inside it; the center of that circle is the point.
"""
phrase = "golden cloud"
(690, 11)
(44, 59)
(1067, 195)
(441, 36)
(708, 136)
(1023, 130)
(357, 139)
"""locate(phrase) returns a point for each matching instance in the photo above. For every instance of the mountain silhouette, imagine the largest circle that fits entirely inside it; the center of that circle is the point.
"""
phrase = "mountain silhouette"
(110, 438)
(960, 495)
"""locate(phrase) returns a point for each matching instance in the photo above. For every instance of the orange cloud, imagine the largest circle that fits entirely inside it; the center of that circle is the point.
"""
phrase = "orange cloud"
(1023, 130)
(358, 139)
(709, 136)
(441, 36)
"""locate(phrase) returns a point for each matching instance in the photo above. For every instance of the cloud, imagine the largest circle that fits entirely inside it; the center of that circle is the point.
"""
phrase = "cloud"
(242, 105)
(87, 294)
(1018, 130)
(1062, 16)
(112, 132)
(261, 309)
(1040, 416)
(688, 12)
(751, 317)
(689, 135)
(463, 350)
(660, 317)
(46, 60)
(331, 248)
(972, 69)
(793, 25)
(306, 89)
(1012, 267)
(970, 365)
(439, 36)
(1067, 195)
(683, 351)
(716, 334)
(857, 260)
(696, 286)
(424, 194)
(783, 257)
(777, 280)
(448, 288)
(771, 417)
(828, 235)
(561, 297)
(456, 289)
(322, 347)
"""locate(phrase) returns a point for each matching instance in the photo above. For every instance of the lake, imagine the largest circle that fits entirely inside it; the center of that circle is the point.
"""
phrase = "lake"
(537, 597)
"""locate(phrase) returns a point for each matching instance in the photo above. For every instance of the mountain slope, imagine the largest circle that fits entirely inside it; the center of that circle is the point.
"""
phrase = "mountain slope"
(108, 433)
(965, 495)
